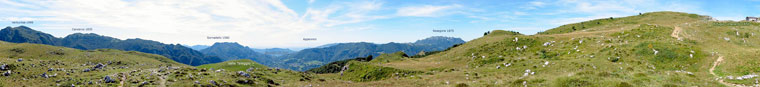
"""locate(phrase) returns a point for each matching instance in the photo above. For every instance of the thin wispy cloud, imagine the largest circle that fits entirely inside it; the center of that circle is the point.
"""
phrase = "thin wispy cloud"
(533, 5)
(345, 13)
(427, 10)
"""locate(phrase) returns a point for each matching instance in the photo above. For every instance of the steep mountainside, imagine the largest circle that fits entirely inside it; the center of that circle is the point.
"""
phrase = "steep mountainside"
(90, 41)
(23, 34)
(235, 51)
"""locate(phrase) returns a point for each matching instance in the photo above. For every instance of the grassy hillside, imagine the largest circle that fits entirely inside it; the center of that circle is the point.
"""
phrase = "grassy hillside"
(66, 66)
(658, 49)
(231, 71)
(662, 18)
(38, 65)
(91, 41)
(669, 49)
(235, 65)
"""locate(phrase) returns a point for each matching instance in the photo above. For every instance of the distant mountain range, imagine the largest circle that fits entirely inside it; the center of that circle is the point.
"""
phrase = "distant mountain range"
(235, 51)
(315, 57)
(223, 51)
(267, 51)
(176, 52)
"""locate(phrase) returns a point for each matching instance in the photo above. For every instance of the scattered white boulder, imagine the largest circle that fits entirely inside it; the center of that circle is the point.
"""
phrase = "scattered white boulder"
(545, 63)
(726, 38)
(655, 51)
(737, 33)
(687, 72)
(7, 73)
(528, 72)
(742, 77)
(515, 39)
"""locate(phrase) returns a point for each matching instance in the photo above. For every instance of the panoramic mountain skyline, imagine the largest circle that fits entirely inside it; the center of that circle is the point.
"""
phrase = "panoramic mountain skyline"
(380, 43)
(92, 41)
(286, 23)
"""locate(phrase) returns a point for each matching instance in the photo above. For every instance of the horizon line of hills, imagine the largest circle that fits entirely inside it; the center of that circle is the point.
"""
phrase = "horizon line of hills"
(223, 51)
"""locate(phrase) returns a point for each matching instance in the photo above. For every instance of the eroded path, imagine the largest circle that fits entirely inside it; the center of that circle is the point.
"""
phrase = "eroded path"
(712, 69)
(715, 64)
(676, 30)
(162, 78)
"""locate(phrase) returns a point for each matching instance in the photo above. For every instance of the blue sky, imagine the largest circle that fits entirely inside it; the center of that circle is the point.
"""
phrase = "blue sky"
(284, 23)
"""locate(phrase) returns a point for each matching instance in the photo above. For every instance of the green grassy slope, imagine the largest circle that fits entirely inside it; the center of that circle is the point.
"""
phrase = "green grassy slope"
(230, 71)
(235, 65)
(662, 18)
(617, 52)
(655, 49)
(44, 65)
(69, 64)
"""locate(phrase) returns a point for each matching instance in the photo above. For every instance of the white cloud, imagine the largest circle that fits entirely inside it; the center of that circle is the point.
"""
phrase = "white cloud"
(533, 5)
(426, 10)
(256, 23)
(537, 3)
(345, 13)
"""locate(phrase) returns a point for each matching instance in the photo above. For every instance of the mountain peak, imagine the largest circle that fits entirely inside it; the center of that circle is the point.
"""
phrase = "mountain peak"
(228, 44)
(234, 51)
(22, 28)
(23, 34)
(439, 40)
